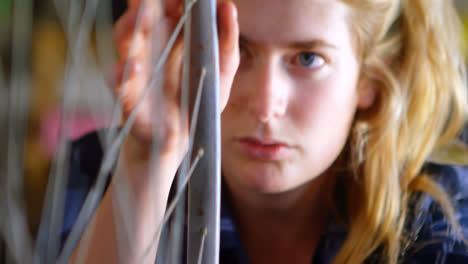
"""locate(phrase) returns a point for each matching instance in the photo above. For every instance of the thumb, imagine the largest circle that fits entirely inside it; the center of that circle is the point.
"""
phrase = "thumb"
(228, 31)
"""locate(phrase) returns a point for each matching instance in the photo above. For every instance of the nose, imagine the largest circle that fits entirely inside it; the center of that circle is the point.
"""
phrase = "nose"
(268, 99)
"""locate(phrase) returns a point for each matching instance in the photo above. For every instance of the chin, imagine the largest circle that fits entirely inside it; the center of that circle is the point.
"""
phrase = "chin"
(263, 179)
(266, 185)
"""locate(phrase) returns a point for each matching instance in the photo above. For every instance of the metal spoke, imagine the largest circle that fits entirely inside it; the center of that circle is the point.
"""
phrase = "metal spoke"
(202, 245)
(54, 209)
(15, 228)
(186, 176)
(117, 113)
(84, 22)
(110, 156)
(173, 204)
(205, 187)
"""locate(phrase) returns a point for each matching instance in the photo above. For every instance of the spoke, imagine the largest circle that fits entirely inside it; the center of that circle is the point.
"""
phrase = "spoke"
(51, 222)
(15, 228)
(173, 204)
(179, 222)
(104, 34)
(117, 113)
(202, 245)
(204, 187)
(79, 19)
(110, 157)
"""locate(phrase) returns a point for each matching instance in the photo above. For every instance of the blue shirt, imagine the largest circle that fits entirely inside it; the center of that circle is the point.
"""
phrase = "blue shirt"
(434, 243)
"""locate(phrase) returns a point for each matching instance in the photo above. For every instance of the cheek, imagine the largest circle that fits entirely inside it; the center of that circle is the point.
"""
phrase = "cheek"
(324, 103)
(323, 114)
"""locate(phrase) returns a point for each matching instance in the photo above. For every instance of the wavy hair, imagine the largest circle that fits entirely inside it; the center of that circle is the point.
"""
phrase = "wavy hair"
(411, 51)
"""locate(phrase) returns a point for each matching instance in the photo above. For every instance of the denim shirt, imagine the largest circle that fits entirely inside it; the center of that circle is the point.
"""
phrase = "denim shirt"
(434, 243)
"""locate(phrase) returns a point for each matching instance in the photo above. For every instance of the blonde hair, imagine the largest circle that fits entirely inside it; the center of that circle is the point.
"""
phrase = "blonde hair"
(412, 51)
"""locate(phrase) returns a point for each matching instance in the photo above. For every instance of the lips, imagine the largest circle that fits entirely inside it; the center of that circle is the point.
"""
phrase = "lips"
(263, 149)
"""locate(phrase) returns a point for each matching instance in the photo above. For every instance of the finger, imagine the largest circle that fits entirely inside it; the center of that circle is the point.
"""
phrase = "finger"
(174, 8)
(125, 34)
(228, 31)
(133, 46)
(154, 4)
(132, 88)
(133, 3)
(127, 23)
(122, 72)
(174, 70)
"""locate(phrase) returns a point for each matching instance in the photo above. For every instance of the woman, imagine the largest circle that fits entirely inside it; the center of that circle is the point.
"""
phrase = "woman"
(334, 110)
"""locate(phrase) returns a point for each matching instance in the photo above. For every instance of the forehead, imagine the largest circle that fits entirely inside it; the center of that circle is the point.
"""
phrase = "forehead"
(276, 21)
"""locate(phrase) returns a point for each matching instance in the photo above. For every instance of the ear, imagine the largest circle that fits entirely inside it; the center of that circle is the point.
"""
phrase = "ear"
(367, 93)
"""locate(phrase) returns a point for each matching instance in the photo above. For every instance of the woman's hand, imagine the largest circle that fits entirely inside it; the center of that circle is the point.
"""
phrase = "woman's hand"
(150, 193)
(136, 44)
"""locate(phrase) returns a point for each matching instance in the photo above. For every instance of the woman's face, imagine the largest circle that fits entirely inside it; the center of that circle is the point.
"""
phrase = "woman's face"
(294, 96)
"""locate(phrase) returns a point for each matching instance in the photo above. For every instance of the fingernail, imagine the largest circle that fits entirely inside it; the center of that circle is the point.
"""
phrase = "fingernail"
(235, 11)
(138, 66)
(230, 2)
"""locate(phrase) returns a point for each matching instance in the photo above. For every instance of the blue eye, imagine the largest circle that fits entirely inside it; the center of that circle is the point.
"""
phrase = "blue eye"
(310, 60)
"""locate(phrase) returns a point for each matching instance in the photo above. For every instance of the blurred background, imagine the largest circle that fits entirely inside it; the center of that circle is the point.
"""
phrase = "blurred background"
(52, 63)
(48, 70)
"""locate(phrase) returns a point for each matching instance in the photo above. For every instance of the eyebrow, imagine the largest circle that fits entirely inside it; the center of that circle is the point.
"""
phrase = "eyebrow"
(295, 45)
